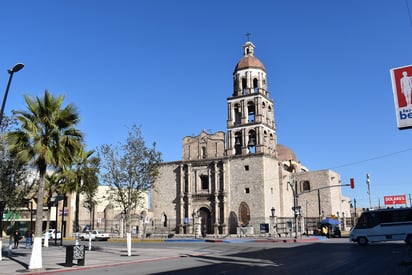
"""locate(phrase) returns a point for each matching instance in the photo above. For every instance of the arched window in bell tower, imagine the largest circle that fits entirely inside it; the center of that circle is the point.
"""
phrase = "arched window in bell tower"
(269, 115)
(238, 114)
(238, 143)
(255, 86)
(252, 142)
(244, 86)
(251, 111)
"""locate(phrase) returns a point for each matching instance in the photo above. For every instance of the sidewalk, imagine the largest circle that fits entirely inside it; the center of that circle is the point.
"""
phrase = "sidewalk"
(54, 257)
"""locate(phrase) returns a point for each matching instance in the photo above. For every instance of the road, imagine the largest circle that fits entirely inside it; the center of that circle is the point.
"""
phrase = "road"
(333, 256)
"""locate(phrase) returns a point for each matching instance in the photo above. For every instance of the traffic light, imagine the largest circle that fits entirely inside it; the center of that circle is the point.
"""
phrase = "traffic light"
(352, 183)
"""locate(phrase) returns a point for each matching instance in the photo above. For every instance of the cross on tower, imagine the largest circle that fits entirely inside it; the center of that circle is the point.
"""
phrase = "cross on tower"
(248, 36)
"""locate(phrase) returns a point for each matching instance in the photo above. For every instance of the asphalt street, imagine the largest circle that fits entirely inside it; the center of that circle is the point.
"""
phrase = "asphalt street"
(16, 261)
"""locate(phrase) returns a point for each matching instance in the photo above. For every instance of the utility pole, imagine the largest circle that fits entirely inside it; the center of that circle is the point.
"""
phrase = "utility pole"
(296, 207)
(368, 181)
(354, 202)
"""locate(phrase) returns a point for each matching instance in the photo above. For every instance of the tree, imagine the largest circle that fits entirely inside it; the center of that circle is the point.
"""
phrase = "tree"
(79, 177)
(47, 138)
(90, 186)
(129, 169)
(15, 186)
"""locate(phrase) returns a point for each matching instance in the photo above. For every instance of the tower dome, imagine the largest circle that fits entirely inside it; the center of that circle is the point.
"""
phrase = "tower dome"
(249, 60)
(285, 153)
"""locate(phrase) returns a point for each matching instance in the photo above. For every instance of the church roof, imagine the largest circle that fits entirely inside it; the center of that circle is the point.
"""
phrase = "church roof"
(284, 153)
(249, 61)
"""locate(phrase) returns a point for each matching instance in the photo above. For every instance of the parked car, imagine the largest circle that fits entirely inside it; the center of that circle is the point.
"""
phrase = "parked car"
(51, 234)
(94, 235)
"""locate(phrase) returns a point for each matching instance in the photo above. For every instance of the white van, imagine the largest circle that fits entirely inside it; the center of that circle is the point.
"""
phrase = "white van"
(392, 224)
(52, 234)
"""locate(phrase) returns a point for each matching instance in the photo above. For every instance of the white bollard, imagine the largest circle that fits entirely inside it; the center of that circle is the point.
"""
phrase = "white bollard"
(90, 241)
(129, 244)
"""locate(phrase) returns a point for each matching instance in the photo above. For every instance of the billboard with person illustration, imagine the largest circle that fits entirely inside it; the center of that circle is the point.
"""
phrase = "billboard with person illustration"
(402, 94)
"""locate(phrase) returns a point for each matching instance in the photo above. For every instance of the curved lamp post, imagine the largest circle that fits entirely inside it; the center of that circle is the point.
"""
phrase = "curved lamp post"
(15, 69)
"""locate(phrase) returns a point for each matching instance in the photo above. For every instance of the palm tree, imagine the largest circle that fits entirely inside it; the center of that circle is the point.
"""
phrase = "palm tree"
(76, 177)
(47, 139)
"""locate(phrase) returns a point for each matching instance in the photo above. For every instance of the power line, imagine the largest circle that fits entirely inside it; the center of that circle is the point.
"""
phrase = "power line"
(409, 12)
(370, 159)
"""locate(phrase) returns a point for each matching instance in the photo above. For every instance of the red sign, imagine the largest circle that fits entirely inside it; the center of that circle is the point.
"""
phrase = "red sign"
(401, 199)
(402, 94)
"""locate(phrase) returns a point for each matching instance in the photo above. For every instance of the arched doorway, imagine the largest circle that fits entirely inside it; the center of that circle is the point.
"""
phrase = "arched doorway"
(206, 219)
(233, 223)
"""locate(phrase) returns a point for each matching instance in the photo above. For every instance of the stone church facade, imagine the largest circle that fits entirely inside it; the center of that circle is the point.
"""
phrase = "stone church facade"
(242, 178)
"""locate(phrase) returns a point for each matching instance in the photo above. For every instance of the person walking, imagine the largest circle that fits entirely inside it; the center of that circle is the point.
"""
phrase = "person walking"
(28, 239)
(16, 238)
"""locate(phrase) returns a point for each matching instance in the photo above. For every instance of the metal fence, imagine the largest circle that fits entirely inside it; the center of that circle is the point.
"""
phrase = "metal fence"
(281, 226)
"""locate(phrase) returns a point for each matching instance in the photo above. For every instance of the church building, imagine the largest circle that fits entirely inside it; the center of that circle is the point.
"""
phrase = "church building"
(241, 177)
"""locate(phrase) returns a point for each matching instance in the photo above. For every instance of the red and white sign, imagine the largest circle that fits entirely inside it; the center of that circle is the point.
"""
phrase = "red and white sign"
(401, 199)
(402, 95)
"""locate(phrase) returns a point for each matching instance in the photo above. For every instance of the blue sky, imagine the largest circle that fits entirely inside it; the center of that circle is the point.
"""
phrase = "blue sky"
(167, 67)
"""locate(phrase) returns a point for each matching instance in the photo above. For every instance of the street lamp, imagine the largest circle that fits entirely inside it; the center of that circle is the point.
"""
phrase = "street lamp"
(273, 212)
(15, 69)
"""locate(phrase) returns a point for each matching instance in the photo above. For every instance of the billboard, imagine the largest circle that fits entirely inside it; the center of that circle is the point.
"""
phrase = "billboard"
(402, 95)
(401, 199)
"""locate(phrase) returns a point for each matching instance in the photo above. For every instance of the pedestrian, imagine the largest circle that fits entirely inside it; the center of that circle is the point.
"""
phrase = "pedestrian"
(28, 239)
(16, 238)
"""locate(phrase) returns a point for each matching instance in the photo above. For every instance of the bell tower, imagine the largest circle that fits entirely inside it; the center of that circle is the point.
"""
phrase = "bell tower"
(251, 121)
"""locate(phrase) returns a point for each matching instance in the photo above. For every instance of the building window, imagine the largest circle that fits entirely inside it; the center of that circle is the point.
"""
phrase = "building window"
(238, 114)
(251, 111)
(204, 180)
(252, 142)
(244, 90)
(238, 143)
(255, 85)
(305, 186)
(247, 190)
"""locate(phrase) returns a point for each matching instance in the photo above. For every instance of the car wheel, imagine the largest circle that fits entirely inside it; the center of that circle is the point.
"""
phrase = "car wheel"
(82, 238)
(362, 241)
